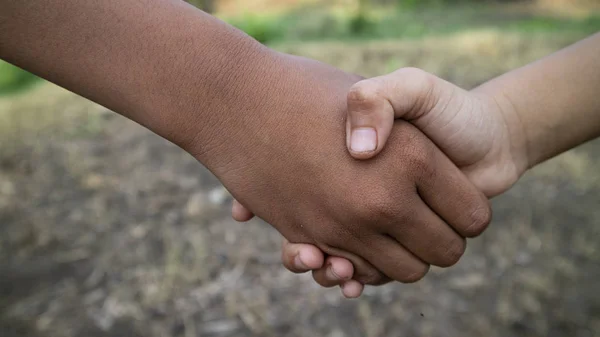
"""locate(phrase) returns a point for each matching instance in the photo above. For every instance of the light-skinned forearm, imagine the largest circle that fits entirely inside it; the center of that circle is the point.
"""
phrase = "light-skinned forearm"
(556, 100)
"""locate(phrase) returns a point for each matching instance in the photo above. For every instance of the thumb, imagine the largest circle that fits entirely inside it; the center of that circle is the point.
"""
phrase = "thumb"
(373, 104)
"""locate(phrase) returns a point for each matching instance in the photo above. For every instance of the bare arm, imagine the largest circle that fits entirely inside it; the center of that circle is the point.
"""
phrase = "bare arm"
(556, 99)
(268, 125)
(494, 133)
(143, 59)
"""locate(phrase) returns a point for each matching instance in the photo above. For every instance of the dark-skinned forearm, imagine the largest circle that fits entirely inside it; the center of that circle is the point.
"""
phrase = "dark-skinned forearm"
(162, 63)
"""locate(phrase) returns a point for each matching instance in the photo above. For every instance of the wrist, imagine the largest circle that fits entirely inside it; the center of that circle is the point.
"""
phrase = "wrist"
(247, 96)
(281, 97)
(237, 91)
(203, 95)
(514, 139)
(519, 144)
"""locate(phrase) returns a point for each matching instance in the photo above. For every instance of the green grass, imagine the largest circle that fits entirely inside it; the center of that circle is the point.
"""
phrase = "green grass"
(13, 79)
(310, 24)
(587, 25)
(410, 20)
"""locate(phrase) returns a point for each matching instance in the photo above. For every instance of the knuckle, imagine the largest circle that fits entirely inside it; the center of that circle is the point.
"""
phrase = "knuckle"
(420, 79)
(413, 138)
(420, 146)
(413, 72)
(363, 92)
(416, 275)
(420, 87)
(426, 168)
(339, 236)
(371, 276)
(420, 158)
(452, 253)
(377, 207)
(339, 239)
(479, 220)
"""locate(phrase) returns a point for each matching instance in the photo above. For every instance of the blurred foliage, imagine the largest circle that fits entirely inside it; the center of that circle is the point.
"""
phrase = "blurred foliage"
(407, 21)
(411, 4)
(375, 19)
(13, 79)
(263, 28)
(360, 23)
(205, 5)
(586, 25)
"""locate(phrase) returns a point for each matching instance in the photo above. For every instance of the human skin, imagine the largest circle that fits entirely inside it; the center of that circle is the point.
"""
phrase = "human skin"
(494, 133)
(268, 125)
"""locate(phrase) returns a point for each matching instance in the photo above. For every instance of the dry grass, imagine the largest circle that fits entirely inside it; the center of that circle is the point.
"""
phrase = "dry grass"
(30, 119)
(467, 58)
(118, 233)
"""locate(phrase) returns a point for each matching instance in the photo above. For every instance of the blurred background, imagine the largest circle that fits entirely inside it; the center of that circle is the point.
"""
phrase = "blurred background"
(108, 230)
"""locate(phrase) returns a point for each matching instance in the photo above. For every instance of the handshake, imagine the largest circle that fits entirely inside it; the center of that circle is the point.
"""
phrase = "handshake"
(423, 158)
(423, 155)
(388, 214)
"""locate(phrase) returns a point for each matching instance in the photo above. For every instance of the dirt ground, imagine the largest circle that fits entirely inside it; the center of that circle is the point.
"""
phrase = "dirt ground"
(108, 230)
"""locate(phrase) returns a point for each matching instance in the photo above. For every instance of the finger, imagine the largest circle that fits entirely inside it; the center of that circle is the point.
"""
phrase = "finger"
(352, 289)
(335, 271)
(394, 260)
(239, 212)
(428, 237)
(300, 258)
(453, 197)
(364, 271)
(408, 93)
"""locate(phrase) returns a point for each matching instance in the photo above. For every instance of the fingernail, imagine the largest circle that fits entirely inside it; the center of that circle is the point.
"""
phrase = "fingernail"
(298, 262)
(363, 140)
(331, 273)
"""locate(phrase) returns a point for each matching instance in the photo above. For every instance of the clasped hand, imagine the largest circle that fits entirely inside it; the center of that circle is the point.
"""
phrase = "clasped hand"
(386, 218)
